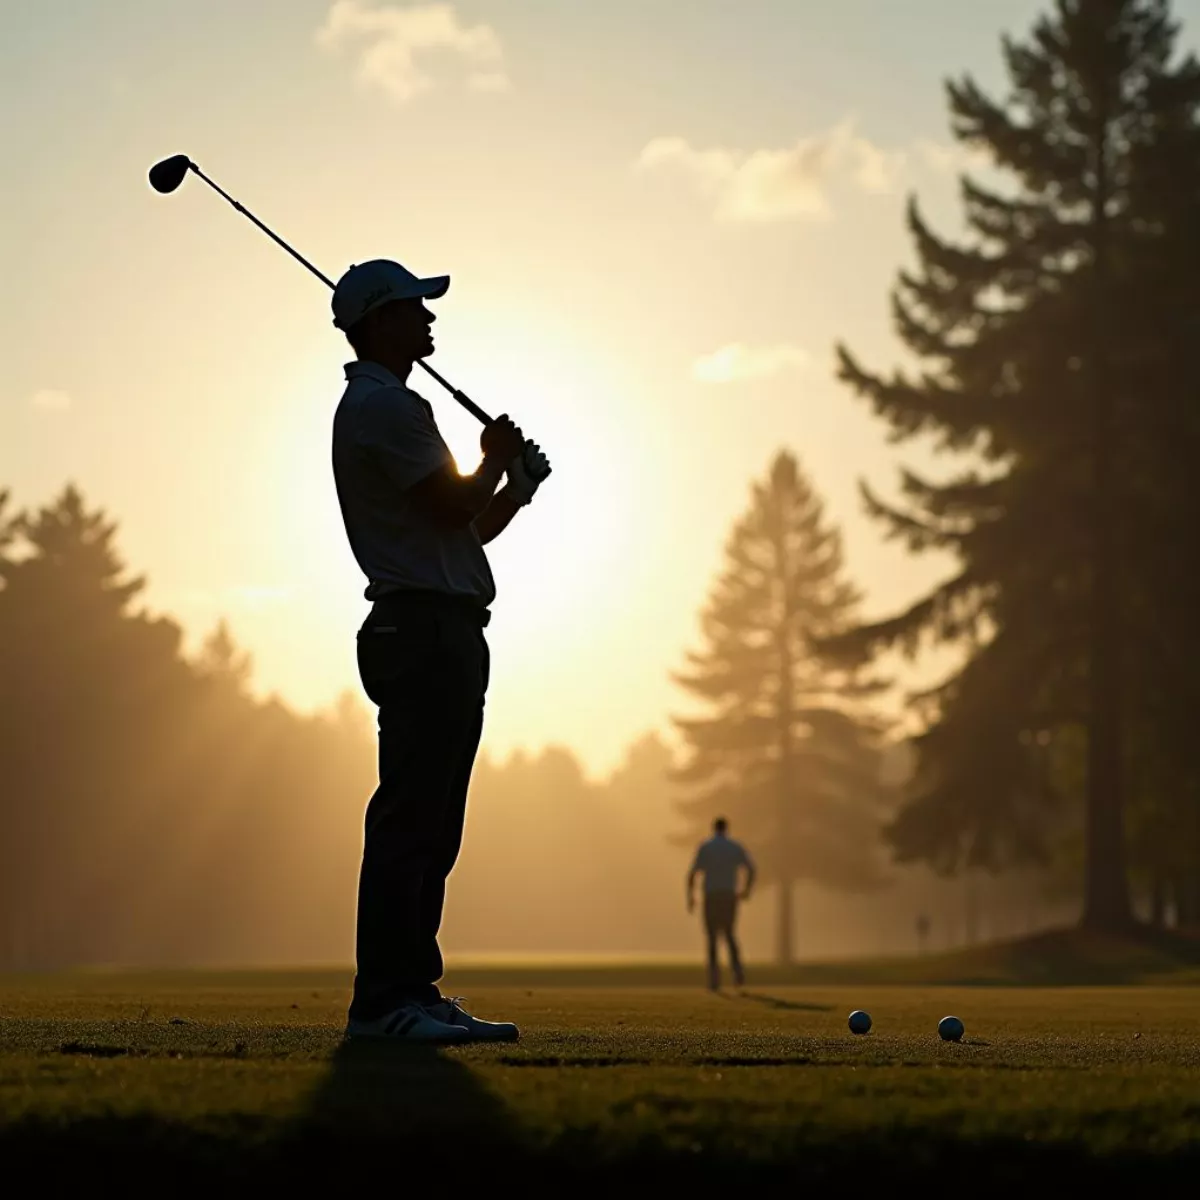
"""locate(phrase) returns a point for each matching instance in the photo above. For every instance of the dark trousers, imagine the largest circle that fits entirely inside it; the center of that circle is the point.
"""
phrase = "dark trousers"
(424, 661)
(720, 915)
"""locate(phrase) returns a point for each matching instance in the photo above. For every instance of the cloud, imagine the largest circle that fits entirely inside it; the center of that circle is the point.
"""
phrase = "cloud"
(737, 361)
(392, 42)
(876, 170)
(51, 400)
(779, 184)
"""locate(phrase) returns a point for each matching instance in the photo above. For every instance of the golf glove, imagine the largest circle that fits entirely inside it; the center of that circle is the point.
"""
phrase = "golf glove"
(525, 472)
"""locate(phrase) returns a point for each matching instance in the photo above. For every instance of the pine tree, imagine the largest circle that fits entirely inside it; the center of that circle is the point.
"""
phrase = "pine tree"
(788, 751)
(1036, 356)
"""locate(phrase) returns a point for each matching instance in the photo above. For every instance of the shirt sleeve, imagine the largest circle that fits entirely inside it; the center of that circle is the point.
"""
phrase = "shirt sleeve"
(398, 433)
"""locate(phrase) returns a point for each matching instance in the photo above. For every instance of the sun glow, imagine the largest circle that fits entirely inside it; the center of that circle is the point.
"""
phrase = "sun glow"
(560, 560)
(565, 546)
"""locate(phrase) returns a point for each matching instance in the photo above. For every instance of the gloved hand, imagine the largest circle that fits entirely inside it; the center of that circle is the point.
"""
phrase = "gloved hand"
(525, 472)
(501, 438)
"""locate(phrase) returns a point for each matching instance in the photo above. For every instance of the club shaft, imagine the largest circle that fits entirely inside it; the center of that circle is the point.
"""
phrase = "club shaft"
(270, 233)
(457, 393)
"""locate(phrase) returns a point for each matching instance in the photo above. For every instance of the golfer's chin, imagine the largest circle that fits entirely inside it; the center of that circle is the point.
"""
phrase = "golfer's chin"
(427, 349)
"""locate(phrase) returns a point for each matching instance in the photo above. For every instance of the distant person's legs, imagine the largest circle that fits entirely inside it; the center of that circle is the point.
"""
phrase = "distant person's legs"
(427, 670)
(718, 919)
(711, 932)
(735, 957)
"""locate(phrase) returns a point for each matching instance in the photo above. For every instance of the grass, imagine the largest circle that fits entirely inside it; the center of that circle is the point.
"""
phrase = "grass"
(239, 1078)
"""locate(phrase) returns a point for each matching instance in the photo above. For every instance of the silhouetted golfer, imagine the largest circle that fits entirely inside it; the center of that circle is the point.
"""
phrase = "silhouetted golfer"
(719, 860)
(417, 529)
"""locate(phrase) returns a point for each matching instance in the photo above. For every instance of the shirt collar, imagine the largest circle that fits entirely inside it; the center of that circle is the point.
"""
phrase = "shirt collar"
(360, 369)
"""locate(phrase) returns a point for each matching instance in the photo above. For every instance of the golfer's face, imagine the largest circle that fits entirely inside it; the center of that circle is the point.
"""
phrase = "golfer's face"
(406, 326)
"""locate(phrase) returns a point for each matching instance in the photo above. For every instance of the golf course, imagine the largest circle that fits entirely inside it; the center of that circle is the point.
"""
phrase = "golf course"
(630, 1075)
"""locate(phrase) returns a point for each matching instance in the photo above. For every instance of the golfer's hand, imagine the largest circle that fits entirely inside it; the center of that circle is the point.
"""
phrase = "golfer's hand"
(535, 463)
(525, 472)
(502, 439)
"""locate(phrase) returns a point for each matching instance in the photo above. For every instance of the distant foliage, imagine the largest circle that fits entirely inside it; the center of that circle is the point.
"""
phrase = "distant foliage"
(150, 809)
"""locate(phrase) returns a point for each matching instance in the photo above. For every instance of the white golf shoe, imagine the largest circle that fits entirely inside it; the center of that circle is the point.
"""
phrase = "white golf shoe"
(409, 1023)
(450, 1010)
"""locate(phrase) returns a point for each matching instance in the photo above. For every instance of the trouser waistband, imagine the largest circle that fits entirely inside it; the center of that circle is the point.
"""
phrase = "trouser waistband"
(394, 605)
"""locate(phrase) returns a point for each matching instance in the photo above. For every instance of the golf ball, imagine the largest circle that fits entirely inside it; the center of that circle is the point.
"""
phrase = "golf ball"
(860, 1022)
(950, 1029)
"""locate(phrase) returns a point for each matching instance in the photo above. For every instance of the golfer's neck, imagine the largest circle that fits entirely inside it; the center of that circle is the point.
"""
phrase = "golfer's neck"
(399, 365)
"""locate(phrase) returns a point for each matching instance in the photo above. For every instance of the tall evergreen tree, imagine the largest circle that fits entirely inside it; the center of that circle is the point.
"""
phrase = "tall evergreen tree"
(788, 751)
(1036, 355)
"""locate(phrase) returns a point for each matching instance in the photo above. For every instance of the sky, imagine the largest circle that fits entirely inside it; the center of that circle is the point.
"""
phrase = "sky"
(659, 217)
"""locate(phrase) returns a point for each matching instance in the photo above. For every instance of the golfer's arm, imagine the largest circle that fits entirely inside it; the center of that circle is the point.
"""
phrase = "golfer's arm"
(456, 500)
(495, 518)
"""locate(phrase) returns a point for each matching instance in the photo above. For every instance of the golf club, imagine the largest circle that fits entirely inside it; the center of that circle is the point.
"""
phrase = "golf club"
(167, 175)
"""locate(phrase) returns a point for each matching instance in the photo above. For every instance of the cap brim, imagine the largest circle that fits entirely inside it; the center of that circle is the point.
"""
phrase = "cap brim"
(432, 288)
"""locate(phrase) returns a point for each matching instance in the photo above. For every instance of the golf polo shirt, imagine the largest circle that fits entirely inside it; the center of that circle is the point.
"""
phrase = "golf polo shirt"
(719, 858)
(385, 440)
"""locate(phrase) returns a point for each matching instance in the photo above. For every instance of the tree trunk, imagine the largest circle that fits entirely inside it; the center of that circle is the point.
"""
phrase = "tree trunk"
(783, 931)
(1106, 896)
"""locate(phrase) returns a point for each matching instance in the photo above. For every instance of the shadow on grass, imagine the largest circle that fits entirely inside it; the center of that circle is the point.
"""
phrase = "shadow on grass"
(411, 1101)
(406, 1115)
(789, 1005)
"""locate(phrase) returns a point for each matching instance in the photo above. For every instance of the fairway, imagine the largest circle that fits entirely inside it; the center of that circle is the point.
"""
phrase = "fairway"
(243, 1076)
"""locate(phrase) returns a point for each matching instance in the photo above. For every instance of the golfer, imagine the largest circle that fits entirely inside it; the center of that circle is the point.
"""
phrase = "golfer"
(417, 529)
(719, 860)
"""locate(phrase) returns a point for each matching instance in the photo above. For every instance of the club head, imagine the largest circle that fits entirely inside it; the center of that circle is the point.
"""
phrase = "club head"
(167, 175)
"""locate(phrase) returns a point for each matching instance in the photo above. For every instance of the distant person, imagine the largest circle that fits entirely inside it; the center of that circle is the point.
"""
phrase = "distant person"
(719, 860)
(417, 529)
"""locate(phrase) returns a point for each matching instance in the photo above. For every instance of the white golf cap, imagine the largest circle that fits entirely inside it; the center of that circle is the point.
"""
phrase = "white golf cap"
(368, 285)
